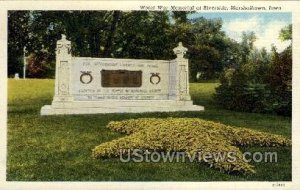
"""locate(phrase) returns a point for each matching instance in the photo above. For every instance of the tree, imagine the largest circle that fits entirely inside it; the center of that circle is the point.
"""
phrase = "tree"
(208, 47)
(143, 35)
(286, 33)
(248, 40)
(262, 83)
(40, 65)
(180, 16)
(132, 34)
(113, 29)
(18, 29)
(281, 75)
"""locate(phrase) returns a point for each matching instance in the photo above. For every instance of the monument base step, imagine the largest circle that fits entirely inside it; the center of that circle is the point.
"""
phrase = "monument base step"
(82, 107)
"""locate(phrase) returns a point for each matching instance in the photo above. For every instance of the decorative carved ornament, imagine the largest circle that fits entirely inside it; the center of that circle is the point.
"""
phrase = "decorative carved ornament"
(155, 78)
(86, 77)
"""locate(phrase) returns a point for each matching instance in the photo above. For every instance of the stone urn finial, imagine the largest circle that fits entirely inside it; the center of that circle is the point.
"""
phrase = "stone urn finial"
(63, 46)
(180, 50)
(63, 37)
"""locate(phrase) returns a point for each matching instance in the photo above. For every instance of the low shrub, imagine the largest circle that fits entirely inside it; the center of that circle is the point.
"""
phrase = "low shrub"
(189, 135)
(40, 65)
(257, 86)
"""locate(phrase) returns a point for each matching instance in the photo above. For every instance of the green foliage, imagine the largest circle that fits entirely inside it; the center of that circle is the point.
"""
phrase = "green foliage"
(18, 22)
(180, 16)
(248, 40)
(286, 33)
(132, 34)
(40, 65)
(190, 135)
(261, 83)
(281, 81)
(208, 48)
(143, 35)
(240, 91)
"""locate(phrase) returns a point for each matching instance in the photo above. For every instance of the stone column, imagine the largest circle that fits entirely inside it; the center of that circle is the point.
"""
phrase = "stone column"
(182, 73)
(63, 84)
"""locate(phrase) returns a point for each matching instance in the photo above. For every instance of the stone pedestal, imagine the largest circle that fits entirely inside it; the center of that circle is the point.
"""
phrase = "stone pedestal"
(63, 75)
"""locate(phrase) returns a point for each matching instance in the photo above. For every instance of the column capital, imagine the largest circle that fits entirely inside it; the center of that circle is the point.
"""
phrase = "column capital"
(180, 50)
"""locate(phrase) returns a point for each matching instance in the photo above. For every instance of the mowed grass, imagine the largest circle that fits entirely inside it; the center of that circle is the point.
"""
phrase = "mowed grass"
(58, 148)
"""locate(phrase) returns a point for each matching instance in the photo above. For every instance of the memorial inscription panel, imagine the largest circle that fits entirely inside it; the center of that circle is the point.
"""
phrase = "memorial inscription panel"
(121, 78)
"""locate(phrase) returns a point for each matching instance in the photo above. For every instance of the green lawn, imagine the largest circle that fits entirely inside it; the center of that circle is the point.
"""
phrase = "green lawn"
(58, 148)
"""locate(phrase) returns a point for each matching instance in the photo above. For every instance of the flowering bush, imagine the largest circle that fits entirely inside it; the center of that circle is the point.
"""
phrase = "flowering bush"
(189, 135)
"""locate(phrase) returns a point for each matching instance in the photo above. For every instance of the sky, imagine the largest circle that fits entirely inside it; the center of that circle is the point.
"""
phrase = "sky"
(265, 25)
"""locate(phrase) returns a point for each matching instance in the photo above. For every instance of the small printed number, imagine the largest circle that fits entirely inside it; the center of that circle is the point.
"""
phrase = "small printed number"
(278, 185)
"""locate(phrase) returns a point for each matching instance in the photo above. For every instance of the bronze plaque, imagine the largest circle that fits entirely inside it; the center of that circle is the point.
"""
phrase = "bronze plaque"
(121, 78)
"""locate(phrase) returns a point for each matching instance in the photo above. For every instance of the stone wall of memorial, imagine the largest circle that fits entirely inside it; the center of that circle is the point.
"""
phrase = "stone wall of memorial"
(85, 85)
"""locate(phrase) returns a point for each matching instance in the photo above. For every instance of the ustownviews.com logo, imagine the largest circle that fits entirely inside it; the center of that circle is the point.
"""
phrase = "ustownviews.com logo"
(138, 155)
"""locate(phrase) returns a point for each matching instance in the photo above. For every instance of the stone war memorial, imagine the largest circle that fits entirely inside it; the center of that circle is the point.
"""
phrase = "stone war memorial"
(85, 85)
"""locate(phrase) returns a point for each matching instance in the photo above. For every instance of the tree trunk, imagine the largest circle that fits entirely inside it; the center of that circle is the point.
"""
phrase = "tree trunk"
(110, 38)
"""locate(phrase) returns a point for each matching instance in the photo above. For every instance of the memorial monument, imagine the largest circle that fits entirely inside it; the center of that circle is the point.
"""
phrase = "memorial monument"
(85, 85)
